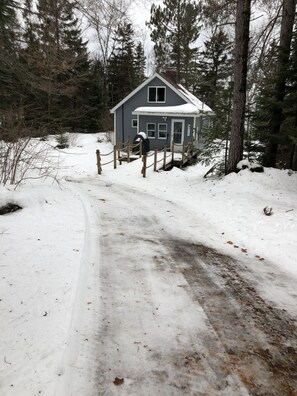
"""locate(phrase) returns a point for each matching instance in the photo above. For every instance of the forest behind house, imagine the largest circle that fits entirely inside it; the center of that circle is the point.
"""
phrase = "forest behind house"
(239, 57)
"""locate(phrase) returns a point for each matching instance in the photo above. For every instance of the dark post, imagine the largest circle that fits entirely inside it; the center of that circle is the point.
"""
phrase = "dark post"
(99, 169)
(155, 160)
(144, 165)
(114, 157)
(164, 160)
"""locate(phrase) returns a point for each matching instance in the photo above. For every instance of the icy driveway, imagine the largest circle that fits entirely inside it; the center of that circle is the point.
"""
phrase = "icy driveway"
(176, 317)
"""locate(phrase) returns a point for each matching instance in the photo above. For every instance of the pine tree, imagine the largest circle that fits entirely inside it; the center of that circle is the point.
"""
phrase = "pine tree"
(63, 64)
(175, 29)
(215, 68)
(139, 64)
(290, 124)
(264, 100)
(122, 78)
(9, 76)
(276, 116)
(213, 85)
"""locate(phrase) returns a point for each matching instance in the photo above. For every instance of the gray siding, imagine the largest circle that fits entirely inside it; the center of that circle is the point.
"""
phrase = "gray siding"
(124, 113)
(160, 143)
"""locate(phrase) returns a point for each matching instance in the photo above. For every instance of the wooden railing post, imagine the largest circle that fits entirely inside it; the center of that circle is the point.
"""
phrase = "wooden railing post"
(119, 151)
(115, 157)
(183, 155)
(172, 151)
(155, 160)
(144, 165)
(140, 148)
(128, 150)
(164, 159)
(99, 168)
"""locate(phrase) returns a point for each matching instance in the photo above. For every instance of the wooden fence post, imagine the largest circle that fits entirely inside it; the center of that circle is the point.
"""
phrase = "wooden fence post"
(99, 169)
(114, 157)
(164, 159)
(183, 155)
(119, 151)
(140, 148)
(144, 165)
(155, 160)
(172, 151)
(128, 150)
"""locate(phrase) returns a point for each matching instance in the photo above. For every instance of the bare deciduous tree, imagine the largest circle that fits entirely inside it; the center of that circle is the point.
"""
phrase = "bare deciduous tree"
(103, 16)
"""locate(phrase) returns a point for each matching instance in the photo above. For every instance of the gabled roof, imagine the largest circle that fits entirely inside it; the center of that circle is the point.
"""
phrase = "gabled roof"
(177, 88)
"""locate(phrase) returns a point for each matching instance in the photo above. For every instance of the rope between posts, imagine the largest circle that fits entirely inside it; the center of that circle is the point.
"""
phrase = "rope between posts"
(106, 163)
(105, 155)
(135, 145)
(149, 166)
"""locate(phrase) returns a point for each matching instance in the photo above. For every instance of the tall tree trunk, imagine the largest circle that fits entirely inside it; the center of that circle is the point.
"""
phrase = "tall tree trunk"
(287, 25)
(243, 13)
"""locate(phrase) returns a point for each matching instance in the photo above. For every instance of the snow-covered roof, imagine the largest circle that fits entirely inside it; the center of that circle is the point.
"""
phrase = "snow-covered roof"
(185, 109)
(177, 88)
(195, 101)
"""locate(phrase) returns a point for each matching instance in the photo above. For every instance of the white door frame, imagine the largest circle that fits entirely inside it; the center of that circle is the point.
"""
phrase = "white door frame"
(183, 130)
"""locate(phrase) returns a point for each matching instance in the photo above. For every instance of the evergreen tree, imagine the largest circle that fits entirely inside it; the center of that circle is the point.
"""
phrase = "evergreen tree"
(290, 124)
(123, 72)
(97, 107)
(63, 64)
(279, 91)
(175, 29)
(31, 58)
(139, 64)
(213, 85)
(264, 100)
(214, 70)
(9, 77)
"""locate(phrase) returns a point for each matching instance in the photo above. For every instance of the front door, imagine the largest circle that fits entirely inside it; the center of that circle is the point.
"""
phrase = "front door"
(177, 133)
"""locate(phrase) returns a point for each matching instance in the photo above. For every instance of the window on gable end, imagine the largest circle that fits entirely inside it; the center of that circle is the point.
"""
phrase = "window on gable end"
(156, 94)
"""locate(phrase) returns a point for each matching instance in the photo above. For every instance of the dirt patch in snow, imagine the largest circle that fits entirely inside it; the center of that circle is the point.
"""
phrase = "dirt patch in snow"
(260, 340)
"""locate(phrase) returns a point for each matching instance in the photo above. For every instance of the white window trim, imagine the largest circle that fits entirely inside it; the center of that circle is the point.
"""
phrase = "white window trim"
(183, 129)
(134, 126)
(156, 86)
(150, 137)
(162, 123)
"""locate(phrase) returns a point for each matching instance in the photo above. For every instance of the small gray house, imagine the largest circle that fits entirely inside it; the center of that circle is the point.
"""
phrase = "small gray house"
(164, 110)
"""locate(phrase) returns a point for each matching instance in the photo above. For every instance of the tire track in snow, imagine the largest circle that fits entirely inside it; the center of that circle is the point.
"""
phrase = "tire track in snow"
(259, 338)
(152, 333)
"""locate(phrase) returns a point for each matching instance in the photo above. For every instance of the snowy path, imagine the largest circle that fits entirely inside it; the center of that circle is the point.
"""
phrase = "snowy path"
(129, 277)
(175, 317)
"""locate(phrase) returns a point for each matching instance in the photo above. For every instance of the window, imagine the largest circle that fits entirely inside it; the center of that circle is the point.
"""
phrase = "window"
(156, 94)
(162, 131)
(134, 123)
(151, 130)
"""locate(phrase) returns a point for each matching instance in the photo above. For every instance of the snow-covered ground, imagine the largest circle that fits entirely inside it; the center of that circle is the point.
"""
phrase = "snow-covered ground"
(71, 243)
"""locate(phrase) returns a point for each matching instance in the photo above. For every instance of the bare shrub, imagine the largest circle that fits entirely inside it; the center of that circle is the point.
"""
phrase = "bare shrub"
(27, 158)
(109, 136)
